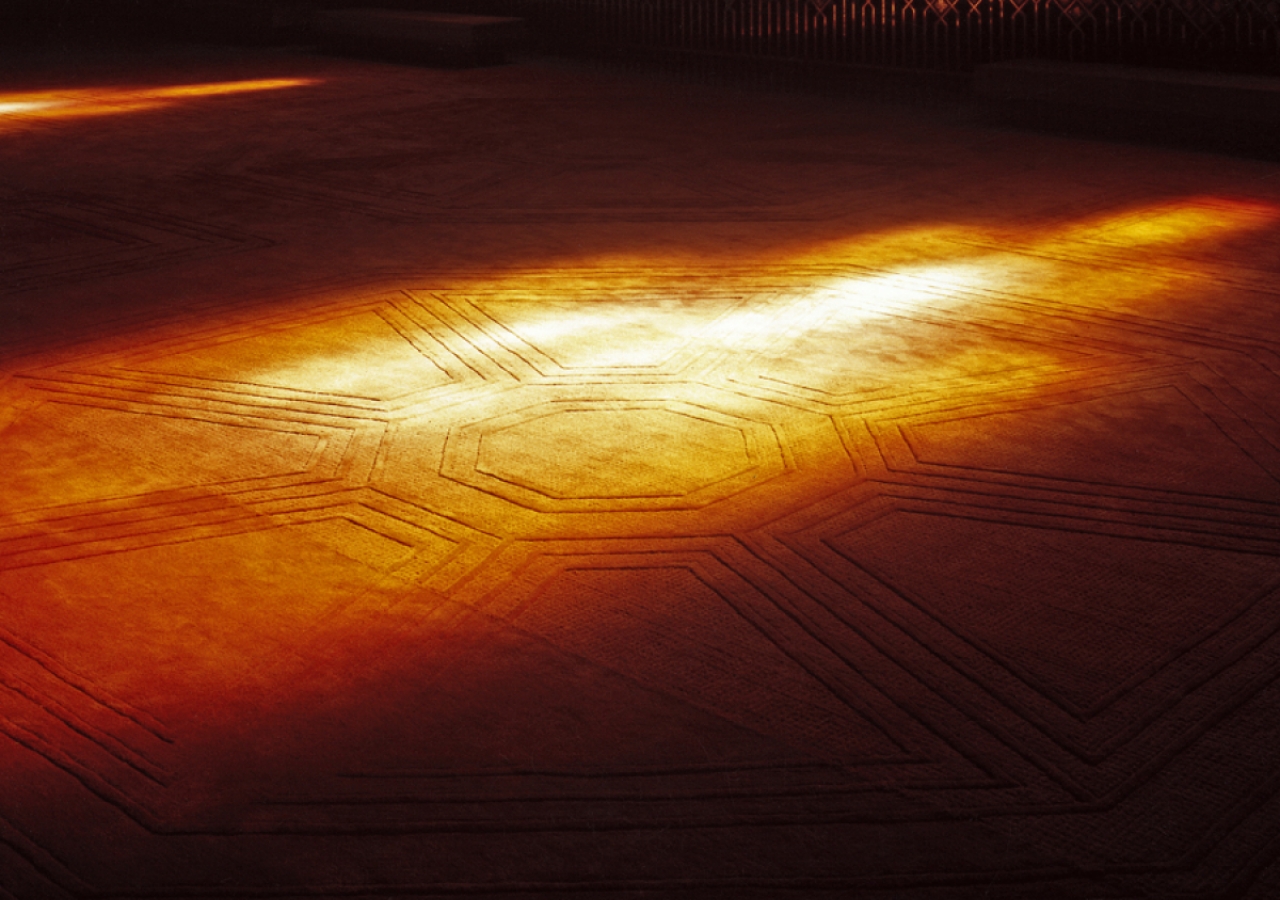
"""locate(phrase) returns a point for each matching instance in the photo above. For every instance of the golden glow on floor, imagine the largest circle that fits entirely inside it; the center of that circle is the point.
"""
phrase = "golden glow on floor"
(864, 325)
(947, 268)
(644, 400)
(20, 109)
(834, 320)
(1171, 225)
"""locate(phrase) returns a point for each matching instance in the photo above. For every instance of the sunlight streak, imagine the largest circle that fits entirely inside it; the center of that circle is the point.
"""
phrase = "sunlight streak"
(21, 109)
(899, 308)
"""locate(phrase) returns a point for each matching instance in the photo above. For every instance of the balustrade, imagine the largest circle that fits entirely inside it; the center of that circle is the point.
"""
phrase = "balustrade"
(1239, 35)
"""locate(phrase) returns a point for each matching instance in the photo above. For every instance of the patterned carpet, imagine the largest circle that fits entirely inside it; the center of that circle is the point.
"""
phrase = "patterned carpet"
(541, 481)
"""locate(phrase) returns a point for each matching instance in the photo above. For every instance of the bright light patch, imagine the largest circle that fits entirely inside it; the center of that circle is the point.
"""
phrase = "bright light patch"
(229, 87)
(28, 108)
(875, 296)
(1173, 225)
(21, 107)
(551, 328)
(895, 310)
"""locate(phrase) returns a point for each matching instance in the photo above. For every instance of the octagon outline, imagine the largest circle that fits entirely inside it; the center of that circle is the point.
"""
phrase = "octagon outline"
(762, 444)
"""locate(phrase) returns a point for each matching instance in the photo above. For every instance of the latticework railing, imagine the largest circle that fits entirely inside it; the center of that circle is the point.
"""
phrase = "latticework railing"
(939, 34)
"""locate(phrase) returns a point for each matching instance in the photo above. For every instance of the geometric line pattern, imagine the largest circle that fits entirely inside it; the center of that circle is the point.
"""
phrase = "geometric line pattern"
(861, 494)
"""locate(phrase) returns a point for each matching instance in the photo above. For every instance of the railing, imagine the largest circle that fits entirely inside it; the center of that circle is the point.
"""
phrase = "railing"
(1239, 35)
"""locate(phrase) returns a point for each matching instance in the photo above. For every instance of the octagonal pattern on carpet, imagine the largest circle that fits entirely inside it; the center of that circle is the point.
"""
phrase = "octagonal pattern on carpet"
(541, 480)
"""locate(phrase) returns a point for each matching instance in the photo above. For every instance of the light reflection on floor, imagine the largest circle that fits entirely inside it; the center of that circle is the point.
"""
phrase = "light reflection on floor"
(18, 110)
(944, 270)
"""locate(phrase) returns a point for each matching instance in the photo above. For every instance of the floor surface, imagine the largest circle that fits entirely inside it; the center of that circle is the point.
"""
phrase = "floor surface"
(549, 481)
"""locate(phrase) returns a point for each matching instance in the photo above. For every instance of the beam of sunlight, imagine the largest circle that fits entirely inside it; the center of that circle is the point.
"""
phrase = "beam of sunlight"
(25, 109)
(19, 107)
(229, 87)
(864, 298)
(834, 319)
(1170, 225)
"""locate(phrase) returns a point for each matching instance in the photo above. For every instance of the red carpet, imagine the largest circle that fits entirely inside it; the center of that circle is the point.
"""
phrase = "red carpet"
(538, 481)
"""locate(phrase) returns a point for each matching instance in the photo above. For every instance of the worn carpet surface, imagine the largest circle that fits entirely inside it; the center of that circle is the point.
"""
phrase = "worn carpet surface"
(546, 481)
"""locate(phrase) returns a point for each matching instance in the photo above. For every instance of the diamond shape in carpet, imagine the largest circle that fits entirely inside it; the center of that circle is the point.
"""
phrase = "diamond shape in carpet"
(1151, 438)
(1081, 617)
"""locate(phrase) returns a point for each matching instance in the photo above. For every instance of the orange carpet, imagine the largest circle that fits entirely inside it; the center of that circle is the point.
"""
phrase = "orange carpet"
(542, 481)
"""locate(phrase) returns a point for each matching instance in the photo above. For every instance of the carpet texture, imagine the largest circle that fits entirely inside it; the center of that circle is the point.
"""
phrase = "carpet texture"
(541, 481)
